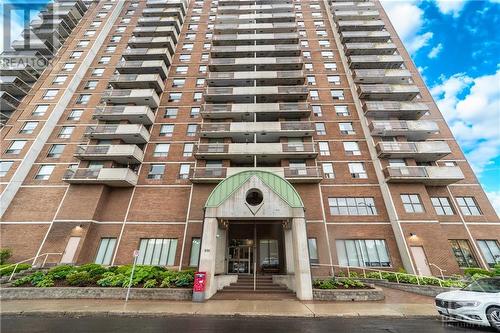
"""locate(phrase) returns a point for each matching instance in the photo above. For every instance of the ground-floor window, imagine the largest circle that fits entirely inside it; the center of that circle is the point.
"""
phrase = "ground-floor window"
(463, 253)
(363, 252)
(157, 251)
(105, 251)
(490, 250)
(313, 250)
(195, 252)
(269, 253)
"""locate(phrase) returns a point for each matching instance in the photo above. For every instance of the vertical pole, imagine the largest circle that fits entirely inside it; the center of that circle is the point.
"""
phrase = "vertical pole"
(254, 256)
(130, 281)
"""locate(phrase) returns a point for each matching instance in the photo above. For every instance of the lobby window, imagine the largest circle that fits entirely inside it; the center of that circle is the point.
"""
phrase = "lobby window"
(28, 127)
(171, 113)
(351, 148)
(192, 129)
(337, 94)
(333, 79)
(83, 99)
(490, 250)
(40, 110)
(16, 147)
(55, 151)
(357, 170)
(362, 252)
(341, 110)
(166, 130)
(346, 129)
(50, 94)
(45, 171)
(442, 206)
(66, 132)
(178, 83)
(463, 253)
(324, 148)
(194, 255)
(195, 112)
(468, 206)
(91, 85)
(59, 79)
(75, 115)
(105, 251)
(311, 80)
(412, 203)
(317, 110)
(5, 167)
(188, 150)
(174, 97)
(157, 251)
(156, 171)
(161, 150)
(312, 246)
(352, 206)
(328, 170)
(68, 67)
(184, 171)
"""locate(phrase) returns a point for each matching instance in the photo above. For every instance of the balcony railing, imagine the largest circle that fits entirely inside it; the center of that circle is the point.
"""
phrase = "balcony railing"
(116, 177)
(420, 151)
(429, 175)
(293, 174)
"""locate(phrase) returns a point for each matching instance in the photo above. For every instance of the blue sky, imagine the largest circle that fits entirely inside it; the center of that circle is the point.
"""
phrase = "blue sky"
(454, 44)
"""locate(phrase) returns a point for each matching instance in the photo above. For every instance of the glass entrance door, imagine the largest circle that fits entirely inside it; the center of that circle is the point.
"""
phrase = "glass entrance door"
(240, 257)
(269, 260)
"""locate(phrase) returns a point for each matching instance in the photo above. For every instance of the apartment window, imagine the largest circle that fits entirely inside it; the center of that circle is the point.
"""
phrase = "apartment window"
(157, 251)
(188, 149)
(311, 80)
(171, 113)
(330, 66)
(68, 67)
(45, 171)
(194, 255)
(412, 203)
(317, 110)
(104, 60)
(442, 206)
(321, 33)
(204, 57)
(105, 251)
(357, 170)
(195, 112)
(50, 94)
(351, 148)
(40, 110)
(98, 72)
(397, 163)
(333, 79)
(312, 246)
(328, 170)
(95, 24)
(202, 69)
(91, 85)
(161, 150)
(125, 20)
(341, 110)
(89, 33)
(306, 55)
(308, 67)
(5, 167)
(337, 94)
(185, 57)
(82, 44)
(181, 69)
(320, 128)
(75, 115)
(207, 46)
(166, 130)
(324, 43)
(187, 46)
(76, 55)
(304, 43)
(55, 151)
(490, 250)
(59, 79)
(352, 206)
(191, 129)
(120, 30)
(66, 132)
(314, 95)
(184, 171)
(324, 148)
(178, 83)
(83, 99)
(111, 49)
(190, 36)
(28, 127)
(200, 83)
(468, 206)
(327, 54)
(156, 171)
(463, 253)
(450, 164)
(362, 252)
(346, 128)
(197, 96)
(318, 23)
(115, 39)
(16, 147)
(174, 97)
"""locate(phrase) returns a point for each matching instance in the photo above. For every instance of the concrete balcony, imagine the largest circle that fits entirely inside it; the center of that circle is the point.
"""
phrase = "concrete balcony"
(264, 131)
(367, 25)
(167, 4)
(411, 129)
(143, 67)
(376, 62)
(122, 154)
(164, 12)
(352, 5)
(162, 31)
(260, 78)
(133, 114)
(229, 28)
(269, 94)
(256, 38)
(245, 152)
(34, 43)
(148, 54)
(365, 36)
(375, 76)
(257, 18)
(140, 81)
(114, 177)
(8, 102)
(160, 22)
(401, 110)
(389, 92)
(247, 112)
(260, 8)
(14, 86)
(355, 15)
(354, 49)
(147, 97)
(293, 175)
(153, 43)
(259, 64)
(425, 151)
(427, 175)
(128, 133)
(249, 51)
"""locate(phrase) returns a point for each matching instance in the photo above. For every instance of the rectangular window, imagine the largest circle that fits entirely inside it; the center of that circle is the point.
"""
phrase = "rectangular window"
(45, 171)
(468, 206)
(40, 110)
(55, 151)
(490, 250)
(337, 94)
(330, 66)
(188, 149)
(156, 171)
(324, 148)
(314, 94)
(16, 147)
(5, 167)
(195, 112)
(313, 250)
(362, 252)
(171, 113)
(76, 55)
(161, 150)
(75, 115)
(181, 69)
(311, 80)
(320, 128)
(463, 253)
(91, 85)
(28, 127)
(83, 99)
(197, 96)
(68, 67)
(317, 110)
(328, 170)
(357, 170)
(442, 206)
(166, 130)
(351, 148)
(82, 43)
(178, 83)
(194, 255)
(105, 251)
(157, 251)
(341, 110)
(98, 72)
(59, 79)
(184, 171)
(174, 97)
(200, 83)
(411, 203)
(50, 94)
(346, 128)
(66, 132)
(192, 129)
(185, 57)
(334, 79)
(352, 206)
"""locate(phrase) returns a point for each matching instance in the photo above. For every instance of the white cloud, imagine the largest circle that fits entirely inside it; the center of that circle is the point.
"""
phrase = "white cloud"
(494, 197)
(453, 7)
(435, 51)
(472, 109)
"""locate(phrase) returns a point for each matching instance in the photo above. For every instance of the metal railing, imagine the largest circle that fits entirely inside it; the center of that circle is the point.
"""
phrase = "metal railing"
(302, 172)
(407, 171)
(33, 259)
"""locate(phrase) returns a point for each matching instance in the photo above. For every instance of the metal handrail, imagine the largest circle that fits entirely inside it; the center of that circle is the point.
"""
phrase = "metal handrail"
(29, 259)
(440, 270)
(364, 269)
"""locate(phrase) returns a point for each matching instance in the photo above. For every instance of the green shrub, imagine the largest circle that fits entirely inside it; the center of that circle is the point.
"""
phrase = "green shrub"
(150, 283)
(95, 270)
(110, 279)
(8, 269)
(479, 276)
(60, 272)
(473, 271)
(353, 275)
(22, 281)
(496, 270)
(47, 281)
(79, 279)
(184, 279)
(5, 254)
(342, 283)
(37, 277)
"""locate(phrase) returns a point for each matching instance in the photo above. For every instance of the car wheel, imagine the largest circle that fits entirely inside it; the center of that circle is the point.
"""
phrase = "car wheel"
(493, 315)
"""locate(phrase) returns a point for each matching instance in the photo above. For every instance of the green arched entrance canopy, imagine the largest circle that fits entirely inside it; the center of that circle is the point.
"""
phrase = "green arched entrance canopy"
(276, 183)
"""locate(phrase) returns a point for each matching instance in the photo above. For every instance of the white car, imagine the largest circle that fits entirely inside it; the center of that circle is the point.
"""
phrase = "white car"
(478, 303)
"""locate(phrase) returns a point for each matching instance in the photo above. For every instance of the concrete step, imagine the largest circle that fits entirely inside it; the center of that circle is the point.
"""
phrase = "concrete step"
(263, 290)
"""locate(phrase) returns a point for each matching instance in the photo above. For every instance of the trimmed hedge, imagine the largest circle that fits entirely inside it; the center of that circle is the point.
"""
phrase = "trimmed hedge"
(339, 283)
(7, 269)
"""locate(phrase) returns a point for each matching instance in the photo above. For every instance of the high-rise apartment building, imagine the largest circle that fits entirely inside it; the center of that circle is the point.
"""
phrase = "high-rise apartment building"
(235, 137)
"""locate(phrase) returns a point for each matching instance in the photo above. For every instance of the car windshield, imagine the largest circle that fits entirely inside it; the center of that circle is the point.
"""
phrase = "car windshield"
(484, 286)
